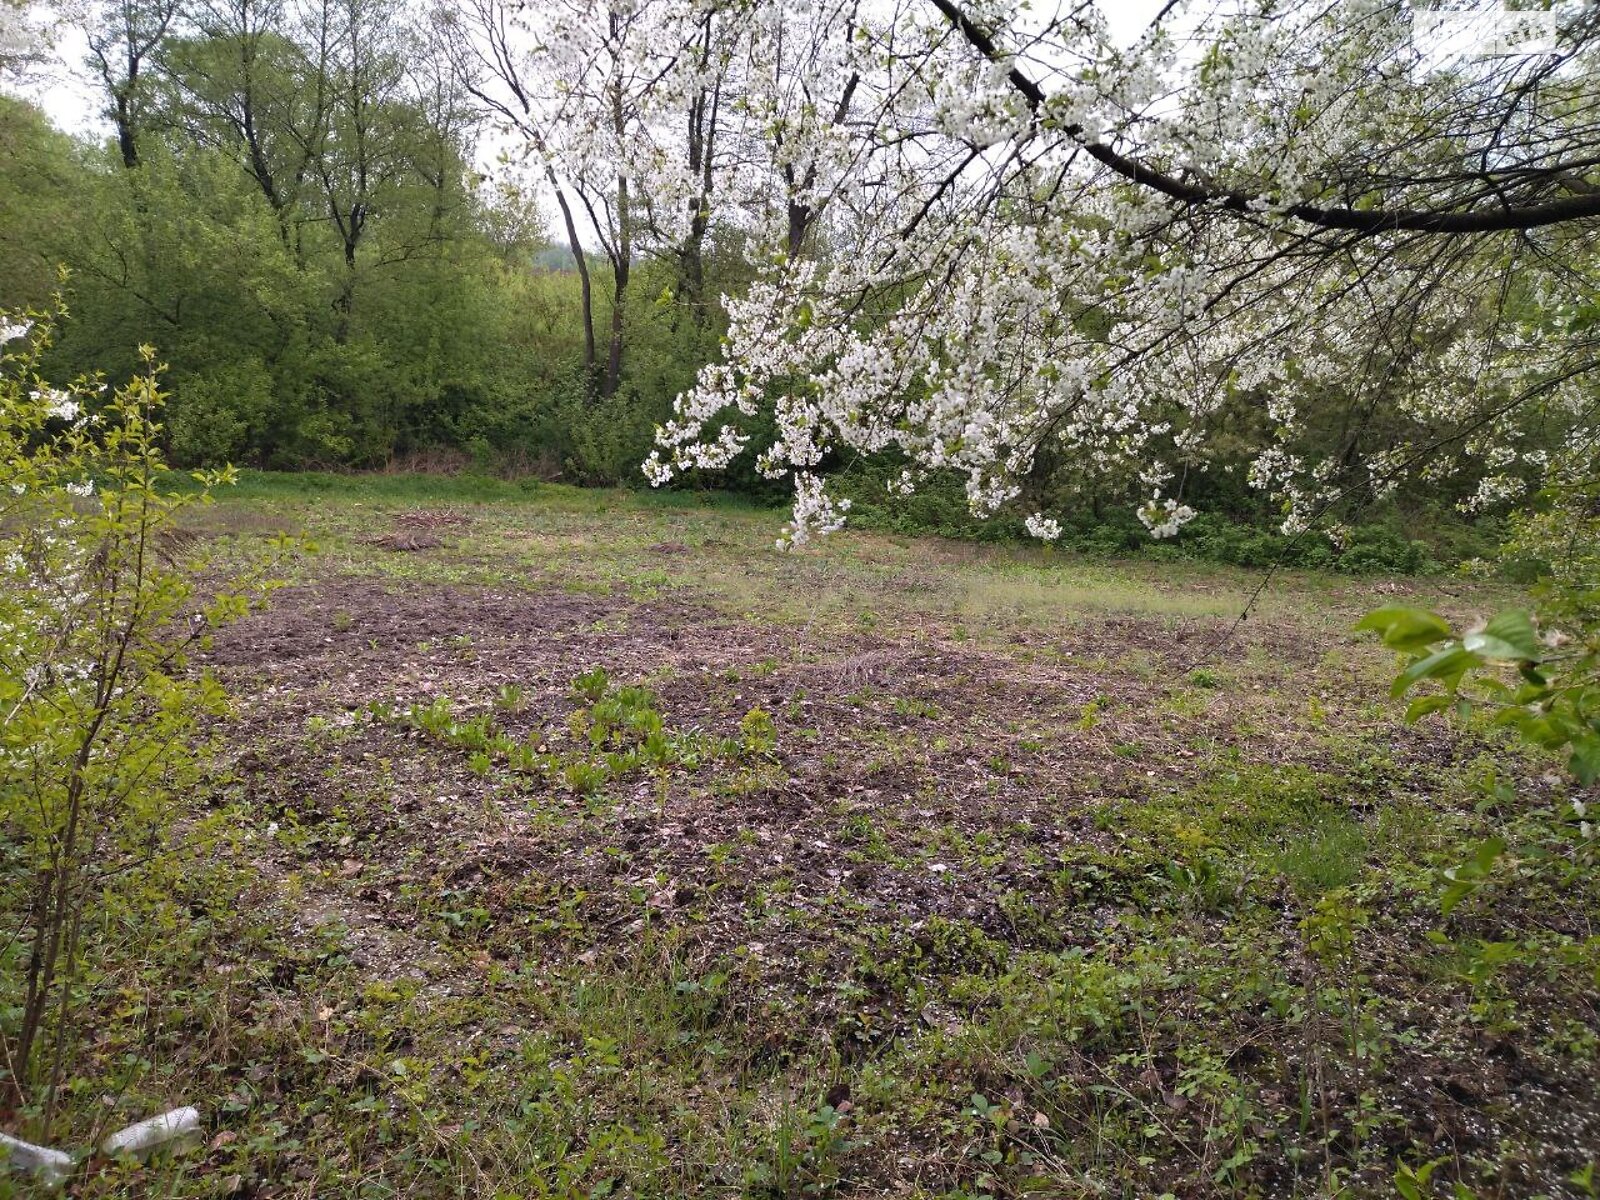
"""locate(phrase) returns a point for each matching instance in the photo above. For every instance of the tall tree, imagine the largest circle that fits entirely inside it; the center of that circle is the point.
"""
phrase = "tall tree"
(487, 44)
(244, 86)
(123, 37)
(1049, 243)
(597, 92)
(709, 65)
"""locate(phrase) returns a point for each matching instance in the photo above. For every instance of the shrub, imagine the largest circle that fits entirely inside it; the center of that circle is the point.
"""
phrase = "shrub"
(97, 616)
(220, 415)
(1376, 549)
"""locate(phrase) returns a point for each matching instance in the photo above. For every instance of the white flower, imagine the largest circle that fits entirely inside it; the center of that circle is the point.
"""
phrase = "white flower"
(59, 404)
(1042, 527)
(1163, 518)
(10, 331)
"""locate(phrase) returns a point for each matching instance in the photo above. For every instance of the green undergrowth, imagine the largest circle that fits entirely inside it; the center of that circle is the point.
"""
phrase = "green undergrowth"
(614, 733)
(1243, 1029)
(960, 876)
(1378, 542)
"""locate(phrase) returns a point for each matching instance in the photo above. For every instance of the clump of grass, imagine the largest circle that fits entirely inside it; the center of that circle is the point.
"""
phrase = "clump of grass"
(1327, 854)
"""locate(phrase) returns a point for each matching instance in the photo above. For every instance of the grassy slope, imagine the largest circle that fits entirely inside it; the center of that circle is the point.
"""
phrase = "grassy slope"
(1045, 889)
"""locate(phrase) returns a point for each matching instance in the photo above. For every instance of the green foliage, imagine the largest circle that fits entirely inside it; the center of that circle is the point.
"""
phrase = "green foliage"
(592, 684)
(614, 733)
(1545, 687)
(757, 733)
(1234, 530)
(98, 615)
(444, 335)
(1326, 855)
(1471, 874)
(40, 176)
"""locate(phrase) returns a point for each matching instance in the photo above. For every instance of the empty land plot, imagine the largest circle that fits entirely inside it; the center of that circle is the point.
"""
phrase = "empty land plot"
(579, 845)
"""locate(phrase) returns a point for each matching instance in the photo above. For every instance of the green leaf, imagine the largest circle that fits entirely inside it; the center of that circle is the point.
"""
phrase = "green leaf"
(1423, 705)
(1454, 894)
(1466, 879)
(1509, 637)
(1412, 1184)
(1585, 761)
(1546, 732)
(1530, 693)
(1404, 628)
(1447, 666)
(1483, 858)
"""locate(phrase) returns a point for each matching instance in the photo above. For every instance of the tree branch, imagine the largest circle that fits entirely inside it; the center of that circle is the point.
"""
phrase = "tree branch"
(1579, 206)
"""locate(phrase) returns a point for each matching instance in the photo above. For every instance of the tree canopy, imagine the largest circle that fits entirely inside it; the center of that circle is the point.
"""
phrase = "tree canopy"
(1277, 259)
(1361, 243)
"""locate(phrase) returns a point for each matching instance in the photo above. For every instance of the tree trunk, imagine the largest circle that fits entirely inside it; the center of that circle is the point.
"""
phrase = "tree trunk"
(620, 270)
(585, 285)
(125, 140)
(621, 255)
(702, 135)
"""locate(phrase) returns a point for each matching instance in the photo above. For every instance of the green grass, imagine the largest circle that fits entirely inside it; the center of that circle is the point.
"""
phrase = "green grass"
(409, 488)
(1025, 881)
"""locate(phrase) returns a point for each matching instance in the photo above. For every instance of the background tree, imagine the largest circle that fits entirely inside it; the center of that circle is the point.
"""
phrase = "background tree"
(123, 37)
(41, 176)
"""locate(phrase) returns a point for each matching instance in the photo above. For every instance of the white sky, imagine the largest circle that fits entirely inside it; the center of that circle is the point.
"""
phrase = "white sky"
(63, 85)
(66, 89)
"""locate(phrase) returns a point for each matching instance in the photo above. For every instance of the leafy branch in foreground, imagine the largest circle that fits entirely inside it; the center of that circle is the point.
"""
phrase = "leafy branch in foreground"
(99, 611)
(1541, 683)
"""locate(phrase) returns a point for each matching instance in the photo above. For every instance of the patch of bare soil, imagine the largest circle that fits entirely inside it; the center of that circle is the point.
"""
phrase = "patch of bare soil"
(922, 789)
(915, 780)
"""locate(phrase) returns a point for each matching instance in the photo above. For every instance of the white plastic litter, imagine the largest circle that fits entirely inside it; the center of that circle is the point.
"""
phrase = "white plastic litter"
(181, 1125)
(51, 1166)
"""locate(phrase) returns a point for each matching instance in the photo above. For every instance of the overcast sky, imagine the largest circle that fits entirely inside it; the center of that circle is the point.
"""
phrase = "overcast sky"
(63, 86)
(65, 89)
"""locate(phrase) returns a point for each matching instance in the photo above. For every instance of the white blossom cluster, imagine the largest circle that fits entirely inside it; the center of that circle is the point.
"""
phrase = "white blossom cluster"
(59, 404)
(1046, 529)
(994, 295)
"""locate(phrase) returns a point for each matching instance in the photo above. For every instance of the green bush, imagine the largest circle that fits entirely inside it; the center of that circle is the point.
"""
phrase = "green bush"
(1226, 533)
(1376, 549)
(101, 704)
(220, 415)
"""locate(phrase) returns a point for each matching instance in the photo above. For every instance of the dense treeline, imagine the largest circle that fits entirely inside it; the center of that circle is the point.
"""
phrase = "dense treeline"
(288, 208)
